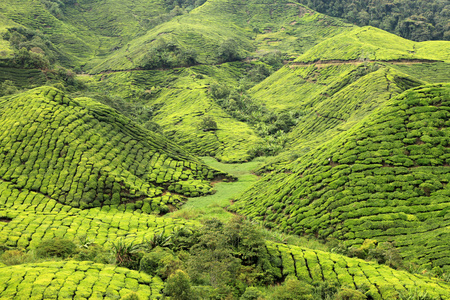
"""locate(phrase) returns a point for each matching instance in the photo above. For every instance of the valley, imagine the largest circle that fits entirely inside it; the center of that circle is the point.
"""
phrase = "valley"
(221, 149)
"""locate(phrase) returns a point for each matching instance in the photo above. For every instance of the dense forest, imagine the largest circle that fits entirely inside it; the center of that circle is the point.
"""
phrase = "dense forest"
(415, 20)
(224, 149)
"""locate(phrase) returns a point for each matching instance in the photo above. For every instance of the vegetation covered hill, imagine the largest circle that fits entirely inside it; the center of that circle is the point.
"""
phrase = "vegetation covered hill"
(104, 105)
(85, 154)
(384, 179)
(369, 43)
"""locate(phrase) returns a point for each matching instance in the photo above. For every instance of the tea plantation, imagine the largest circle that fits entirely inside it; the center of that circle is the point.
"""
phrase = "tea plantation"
(84, 154)
(335, 137)
(385, 179)
(379, 281)
(76, 280)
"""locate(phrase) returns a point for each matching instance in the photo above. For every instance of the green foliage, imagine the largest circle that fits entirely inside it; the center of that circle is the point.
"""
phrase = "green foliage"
(178, 286)
(208, 124)
(228, 51)
(56, 247)
(131, 296)
(293, 289)
(120, 163)
(7, 88)
(269, 125)
(252, 293)
(157, 240)
(230, 257)
(369, 43)
(350, 294)
(125, 254)
(72, 279)
(31, 48)
(167, 54)
(161, 262)
(415, 295)
(15, 257)
(419, 20)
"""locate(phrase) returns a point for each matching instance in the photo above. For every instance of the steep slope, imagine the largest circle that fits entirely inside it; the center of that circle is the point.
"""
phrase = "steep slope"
(330, 98)
(85, 154)
(339, 81)
(275, 25)
(377, 281)
(84, 30)
(126, 33)
(386, 179)
(179, 100)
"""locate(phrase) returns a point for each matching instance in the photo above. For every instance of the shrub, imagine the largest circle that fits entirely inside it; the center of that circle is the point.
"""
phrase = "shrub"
(14, 257)
(131, 296)
(159, 262)
(56, 247)
(293, 289)
(126, 255)
(349, 294)
(93, 252)
(7, 88)
(252, 293)
(228, 51)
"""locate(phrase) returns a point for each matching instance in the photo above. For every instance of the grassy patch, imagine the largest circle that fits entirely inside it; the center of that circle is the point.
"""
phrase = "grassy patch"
(214, 205)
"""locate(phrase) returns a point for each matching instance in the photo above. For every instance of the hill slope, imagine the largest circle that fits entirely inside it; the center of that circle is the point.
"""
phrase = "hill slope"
(85, 154)
(369, 43)
(386, 179)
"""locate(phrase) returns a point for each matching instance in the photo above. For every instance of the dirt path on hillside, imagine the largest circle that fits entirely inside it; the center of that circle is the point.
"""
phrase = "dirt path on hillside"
(335, 62)
(319, 64)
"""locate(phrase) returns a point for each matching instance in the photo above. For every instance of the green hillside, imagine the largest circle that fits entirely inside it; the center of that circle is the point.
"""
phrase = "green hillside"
(377, 281)
(384, 179)
(369, 43)
(84, 154)
(76, 280)
(179, 100)
(252, 26)
(29, 217)
(336, 137)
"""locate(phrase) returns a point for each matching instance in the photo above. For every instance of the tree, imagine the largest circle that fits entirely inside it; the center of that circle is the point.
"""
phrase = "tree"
(208, 124)
(7, 88)
(228, 51)
(178, 286)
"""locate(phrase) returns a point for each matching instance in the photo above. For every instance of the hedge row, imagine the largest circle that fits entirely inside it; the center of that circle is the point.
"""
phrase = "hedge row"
(27, 217)
(75, 280)
(379, 281)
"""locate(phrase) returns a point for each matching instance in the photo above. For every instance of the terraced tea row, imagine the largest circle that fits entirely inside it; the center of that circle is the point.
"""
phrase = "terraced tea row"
(378, 281)
(29, 217)
(84, 154)
(384, 179)
(76, 280)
